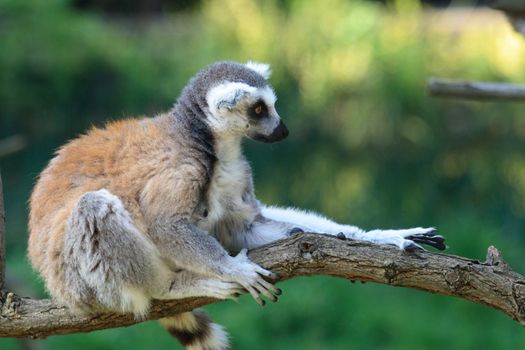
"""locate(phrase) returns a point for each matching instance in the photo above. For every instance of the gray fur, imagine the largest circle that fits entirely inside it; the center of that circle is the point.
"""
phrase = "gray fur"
(193, 96)
(104, 252)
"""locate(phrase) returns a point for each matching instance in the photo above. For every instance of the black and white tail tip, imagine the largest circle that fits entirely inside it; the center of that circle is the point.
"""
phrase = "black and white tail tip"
(196, 331)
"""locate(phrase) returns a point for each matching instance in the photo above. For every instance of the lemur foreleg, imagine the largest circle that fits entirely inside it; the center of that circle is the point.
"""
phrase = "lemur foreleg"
(192, 249)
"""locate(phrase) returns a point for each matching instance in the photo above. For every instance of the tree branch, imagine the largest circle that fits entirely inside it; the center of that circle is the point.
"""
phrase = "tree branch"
(475, 90)
(492, 283)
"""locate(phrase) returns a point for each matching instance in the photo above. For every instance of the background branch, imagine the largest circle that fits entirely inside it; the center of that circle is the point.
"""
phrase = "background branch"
(475, 90)
(515, 11)
(491, 283)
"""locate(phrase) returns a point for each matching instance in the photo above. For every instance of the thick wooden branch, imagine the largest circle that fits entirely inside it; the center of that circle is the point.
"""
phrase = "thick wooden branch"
(491, 283)
(475, 90)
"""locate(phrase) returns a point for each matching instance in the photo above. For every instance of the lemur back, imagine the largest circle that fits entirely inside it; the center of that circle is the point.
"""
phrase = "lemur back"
(118, 158)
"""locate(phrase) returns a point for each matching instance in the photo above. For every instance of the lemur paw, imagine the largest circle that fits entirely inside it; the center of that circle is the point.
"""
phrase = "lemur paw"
(429, 237)
(411, 239)
(249, 275)
(225, 289)
(407, 239)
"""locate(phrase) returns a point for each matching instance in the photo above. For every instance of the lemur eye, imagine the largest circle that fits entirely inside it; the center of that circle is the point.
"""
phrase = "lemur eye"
(258, 110)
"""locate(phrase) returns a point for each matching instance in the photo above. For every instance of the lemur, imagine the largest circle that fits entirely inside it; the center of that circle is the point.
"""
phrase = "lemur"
(164, 207)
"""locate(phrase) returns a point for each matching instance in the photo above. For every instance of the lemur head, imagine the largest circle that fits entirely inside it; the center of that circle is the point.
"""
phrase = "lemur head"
(236, 100)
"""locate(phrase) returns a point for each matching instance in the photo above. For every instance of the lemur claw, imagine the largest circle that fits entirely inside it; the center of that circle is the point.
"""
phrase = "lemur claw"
(429, 238)
(430, 233)
(295, 230)
(252, 278)
(413, 247)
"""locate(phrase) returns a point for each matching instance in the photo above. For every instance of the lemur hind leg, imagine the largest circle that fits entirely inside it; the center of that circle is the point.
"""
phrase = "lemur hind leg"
(281, 222)
(113, 265)
(109, 262)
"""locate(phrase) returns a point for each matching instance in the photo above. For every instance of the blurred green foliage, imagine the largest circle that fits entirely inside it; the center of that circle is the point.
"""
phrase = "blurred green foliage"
(367, 146)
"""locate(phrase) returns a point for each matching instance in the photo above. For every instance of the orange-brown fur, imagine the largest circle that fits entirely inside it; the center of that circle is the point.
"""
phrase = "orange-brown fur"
(121, 158)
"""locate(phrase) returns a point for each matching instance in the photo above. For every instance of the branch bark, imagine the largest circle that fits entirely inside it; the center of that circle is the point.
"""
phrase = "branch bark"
(475, 90)
(492, 283)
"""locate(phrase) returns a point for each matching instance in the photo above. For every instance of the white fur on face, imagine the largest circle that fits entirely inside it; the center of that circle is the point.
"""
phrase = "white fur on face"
(261, 68)
(227, 95)
(225, 101)
(268, 96)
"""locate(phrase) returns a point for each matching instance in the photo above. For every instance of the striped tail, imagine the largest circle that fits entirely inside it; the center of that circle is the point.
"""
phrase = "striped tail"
(196, 331)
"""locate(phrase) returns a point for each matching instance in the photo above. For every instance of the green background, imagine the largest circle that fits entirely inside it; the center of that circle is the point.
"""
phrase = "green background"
(367, 145)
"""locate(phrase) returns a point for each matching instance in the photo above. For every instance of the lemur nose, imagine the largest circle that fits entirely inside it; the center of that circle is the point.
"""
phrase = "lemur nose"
(285, 130)
(281, 131)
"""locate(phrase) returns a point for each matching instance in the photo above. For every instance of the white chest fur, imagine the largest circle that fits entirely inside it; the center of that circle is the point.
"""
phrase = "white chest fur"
(229, 182)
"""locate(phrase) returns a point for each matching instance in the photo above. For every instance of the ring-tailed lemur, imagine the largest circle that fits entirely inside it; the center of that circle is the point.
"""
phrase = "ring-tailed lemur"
(153, 208)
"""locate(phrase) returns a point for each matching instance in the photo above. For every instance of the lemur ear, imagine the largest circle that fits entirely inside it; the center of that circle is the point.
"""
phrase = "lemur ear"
(227, 95)
(263, 69)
